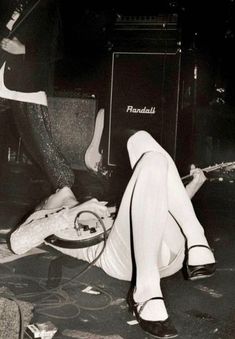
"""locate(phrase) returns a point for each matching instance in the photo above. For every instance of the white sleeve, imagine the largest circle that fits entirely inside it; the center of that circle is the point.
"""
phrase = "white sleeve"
(36, 228)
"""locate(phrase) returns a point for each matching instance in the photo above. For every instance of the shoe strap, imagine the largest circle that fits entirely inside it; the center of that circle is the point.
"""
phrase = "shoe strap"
(143, 303)
(205, 246)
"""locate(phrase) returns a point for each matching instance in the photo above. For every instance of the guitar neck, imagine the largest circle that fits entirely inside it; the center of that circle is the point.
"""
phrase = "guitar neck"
(22, 18)
(207, 170)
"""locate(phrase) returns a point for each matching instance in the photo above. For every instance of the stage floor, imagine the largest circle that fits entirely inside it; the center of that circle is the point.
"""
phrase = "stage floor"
(93, 305)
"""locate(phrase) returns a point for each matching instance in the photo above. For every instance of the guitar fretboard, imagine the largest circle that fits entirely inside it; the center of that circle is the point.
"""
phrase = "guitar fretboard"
(210, 169)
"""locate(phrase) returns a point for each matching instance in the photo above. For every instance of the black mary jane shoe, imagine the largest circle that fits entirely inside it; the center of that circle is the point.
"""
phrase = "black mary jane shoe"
(158, 329)
(195, 272)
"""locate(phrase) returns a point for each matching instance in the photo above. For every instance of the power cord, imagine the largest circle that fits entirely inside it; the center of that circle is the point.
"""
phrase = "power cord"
(78, 275)
(98, 256)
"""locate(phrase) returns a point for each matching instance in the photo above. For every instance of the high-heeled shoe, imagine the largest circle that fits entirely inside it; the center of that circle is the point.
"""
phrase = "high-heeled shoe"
(195, 272)
(158, 329)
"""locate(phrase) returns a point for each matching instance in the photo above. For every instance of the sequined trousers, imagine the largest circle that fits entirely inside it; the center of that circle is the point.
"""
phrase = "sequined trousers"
(33, 125)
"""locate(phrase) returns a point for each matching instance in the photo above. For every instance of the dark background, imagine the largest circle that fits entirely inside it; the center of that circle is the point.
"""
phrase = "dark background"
(207, 29)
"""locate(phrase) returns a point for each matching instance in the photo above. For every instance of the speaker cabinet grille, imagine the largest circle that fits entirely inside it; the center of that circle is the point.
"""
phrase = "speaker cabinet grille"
(144, 95)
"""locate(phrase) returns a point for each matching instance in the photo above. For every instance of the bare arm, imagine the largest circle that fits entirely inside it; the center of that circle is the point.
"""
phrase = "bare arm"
(198, 180)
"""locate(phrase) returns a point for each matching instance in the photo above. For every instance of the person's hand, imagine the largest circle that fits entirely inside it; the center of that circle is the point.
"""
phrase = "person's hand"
(12, 46)
(198, 180)
(198, 176)
(93, 205)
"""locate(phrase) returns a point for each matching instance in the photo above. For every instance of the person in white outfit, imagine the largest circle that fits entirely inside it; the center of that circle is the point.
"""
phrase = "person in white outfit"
(154, 229)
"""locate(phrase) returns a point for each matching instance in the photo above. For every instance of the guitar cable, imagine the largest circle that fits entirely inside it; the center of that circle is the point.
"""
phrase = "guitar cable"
(82, 272)
(104, 242)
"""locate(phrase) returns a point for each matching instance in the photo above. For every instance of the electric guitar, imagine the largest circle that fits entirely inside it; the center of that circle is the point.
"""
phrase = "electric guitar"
(91, 232)
(9, 34)
(225, 166)
(84, 233)
(93, 157)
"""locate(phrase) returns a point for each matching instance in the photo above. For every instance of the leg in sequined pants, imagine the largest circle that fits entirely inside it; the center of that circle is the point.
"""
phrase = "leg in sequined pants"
(33, 124)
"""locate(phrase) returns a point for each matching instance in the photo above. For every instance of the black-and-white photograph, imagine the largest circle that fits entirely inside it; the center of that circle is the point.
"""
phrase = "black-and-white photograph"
(117, 169)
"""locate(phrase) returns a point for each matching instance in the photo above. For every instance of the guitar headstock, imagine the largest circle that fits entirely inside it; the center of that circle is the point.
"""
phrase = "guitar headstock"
(229, 166)
(222, 172)
(218, 172)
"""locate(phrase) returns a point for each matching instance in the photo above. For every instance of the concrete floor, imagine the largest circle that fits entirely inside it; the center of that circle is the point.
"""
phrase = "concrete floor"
(92, 305)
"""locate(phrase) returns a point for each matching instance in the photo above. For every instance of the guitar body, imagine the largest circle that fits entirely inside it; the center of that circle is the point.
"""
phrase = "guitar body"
(93, 157)
(88, 233)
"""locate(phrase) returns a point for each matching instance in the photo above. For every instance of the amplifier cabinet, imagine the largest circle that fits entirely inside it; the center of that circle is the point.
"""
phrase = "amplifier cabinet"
(145, 33)
(144, 94)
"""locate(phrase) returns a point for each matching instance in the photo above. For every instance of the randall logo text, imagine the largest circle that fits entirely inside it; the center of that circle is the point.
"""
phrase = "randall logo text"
(143, 110)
